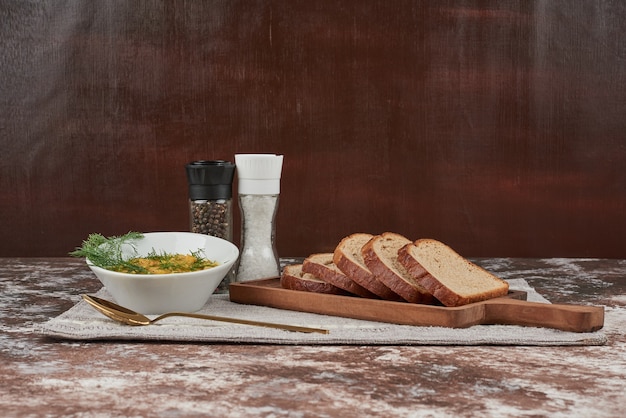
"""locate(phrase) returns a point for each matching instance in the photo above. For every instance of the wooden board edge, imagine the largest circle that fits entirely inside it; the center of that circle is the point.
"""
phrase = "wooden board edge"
(267, 292)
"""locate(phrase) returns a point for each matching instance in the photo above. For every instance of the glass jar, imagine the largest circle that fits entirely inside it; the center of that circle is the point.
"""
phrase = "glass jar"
(210, 203)
(258, 258)
(212, 217)
(259, 189)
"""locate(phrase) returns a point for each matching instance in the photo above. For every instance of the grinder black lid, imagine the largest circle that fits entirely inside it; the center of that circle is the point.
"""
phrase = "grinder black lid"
(210, 180)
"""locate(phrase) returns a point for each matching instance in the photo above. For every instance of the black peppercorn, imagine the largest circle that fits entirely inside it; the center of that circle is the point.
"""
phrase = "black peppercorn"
(211, 217)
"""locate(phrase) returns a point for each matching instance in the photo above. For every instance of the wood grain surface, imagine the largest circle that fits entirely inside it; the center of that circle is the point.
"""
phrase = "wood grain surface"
(496, 127)
(512, 309)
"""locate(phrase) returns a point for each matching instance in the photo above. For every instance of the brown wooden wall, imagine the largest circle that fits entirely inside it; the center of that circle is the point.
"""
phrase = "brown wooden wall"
(498, 127)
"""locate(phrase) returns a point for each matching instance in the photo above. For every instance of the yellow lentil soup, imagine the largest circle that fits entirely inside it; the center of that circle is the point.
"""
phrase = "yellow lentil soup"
(166, 263)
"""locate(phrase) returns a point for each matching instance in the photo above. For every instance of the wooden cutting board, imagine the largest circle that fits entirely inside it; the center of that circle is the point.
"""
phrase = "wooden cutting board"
(512, 309)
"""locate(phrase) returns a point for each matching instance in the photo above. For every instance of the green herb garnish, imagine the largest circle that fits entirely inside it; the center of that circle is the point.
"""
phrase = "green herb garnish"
(106, 252)
(160, 263)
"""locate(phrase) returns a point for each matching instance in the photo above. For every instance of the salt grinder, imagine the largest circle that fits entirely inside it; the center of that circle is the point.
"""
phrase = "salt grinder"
(258, 188)
(210, 202)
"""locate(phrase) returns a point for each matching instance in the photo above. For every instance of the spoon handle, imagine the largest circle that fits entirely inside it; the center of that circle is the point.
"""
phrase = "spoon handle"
(294, 328)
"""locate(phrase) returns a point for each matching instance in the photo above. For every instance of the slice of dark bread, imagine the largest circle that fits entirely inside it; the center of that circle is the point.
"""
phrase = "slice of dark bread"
(380, 255)
(347, 257)
(449, 277)
(293, 278)
(321, 266)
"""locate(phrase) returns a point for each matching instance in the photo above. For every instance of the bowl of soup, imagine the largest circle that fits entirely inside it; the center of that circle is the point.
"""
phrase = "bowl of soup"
(167, 271)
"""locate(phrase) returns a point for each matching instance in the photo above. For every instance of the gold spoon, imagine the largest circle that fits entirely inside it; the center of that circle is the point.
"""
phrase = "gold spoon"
(126, 316)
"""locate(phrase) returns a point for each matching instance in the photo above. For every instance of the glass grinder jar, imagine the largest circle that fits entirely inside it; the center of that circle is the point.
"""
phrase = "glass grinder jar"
(210, 202)
(258, 189)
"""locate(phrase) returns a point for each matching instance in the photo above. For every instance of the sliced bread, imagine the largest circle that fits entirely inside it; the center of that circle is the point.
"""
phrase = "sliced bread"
(449, 277)
(347, 257)
(380, 255)
(321, 266)
(294, 278)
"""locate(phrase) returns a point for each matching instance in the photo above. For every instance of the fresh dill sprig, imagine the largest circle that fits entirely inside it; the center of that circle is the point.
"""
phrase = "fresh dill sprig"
(201, 262)
(107, 252)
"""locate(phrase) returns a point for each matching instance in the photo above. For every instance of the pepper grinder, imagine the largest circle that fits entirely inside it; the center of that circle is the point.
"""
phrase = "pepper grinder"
(210, 203)
(258, 189)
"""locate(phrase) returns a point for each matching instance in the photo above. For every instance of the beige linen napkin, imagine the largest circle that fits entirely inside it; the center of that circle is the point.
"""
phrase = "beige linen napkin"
(82, 322)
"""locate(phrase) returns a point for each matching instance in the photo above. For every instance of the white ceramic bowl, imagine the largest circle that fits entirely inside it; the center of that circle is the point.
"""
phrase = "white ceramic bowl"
(152, 294)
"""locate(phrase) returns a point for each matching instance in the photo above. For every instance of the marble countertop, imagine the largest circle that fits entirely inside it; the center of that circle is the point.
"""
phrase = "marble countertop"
(46, 377)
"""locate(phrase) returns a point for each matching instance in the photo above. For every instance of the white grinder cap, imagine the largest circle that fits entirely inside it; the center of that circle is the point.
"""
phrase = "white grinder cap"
(259, 173)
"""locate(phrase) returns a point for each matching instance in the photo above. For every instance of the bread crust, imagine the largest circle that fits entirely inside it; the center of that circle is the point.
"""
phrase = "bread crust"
(358, 272)
(443, 293)
(321, 266)
(293, 278)
(386, 268)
